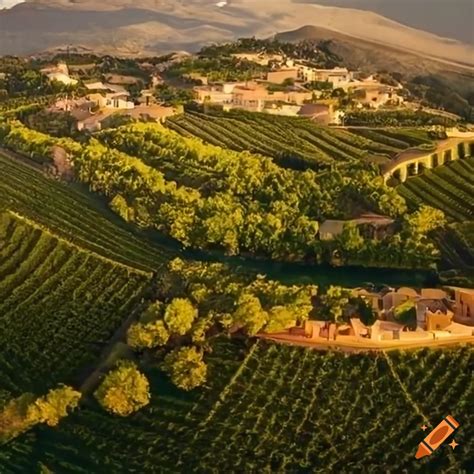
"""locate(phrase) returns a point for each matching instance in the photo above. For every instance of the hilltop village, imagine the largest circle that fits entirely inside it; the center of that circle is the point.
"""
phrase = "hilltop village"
(303, 80)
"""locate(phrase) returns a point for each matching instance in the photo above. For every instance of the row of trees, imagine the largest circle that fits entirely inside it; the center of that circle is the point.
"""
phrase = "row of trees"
(199, 301)
(219, 198)
(23, 413)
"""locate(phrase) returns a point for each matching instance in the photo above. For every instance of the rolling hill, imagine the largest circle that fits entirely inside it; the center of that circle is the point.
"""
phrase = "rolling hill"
(149, 26)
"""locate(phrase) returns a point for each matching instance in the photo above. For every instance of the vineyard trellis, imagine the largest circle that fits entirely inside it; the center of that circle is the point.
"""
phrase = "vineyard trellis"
(289, 409)
(450, 188)
(66, 302)
(293, 142)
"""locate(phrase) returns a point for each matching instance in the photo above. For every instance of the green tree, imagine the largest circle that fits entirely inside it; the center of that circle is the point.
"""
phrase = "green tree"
(53, 406)
(364, 311)
(279, 318)
(120, 206)
(147, 336)
(425, 220)
(186, 367)
(13, 417)
(154, 311)
(249, 314)
(405, 313)
(124, 390)
(333, 303)
(180, 315)
(350, 239)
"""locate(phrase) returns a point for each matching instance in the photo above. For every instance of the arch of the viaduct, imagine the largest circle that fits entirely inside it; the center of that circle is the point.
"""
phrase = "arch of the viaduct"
(412, 162)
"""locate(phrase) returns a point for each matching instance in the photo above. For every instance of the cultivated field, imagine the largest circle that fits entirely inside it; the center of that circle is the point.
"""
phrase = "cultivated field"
(65, 301)
(75, 215)
(451, 189)
(292, 142)
(276, 409)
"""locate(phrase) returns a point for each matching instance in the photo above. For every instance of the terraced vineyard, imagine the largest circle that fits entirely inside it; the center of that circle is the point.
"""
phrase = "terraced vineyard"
(66, 302)
(74, 214)
(451, 189)
(281, 409)
(292, 142)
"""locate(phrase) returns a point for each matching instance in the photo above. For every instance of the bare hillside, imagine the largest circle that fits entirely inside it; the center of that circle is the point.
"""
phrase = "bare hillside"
(156, 26)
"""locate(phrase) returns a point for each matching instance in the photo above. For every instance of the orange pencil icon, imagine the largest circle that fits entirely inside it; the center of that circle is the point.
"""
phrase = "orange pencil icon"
(437, 436)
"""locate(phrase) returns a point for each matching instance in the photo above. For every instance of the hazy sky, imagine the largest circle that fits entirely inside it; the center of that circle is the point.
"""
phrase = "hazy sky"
(450, 18)
(8, 3)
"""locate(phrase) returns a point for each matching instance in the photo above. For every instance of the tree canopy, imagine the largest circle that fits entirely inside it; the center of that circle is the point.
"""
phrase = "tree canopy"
(180, 315)
(124, 389)
(186, 367)
(147, 336)
(53, 406)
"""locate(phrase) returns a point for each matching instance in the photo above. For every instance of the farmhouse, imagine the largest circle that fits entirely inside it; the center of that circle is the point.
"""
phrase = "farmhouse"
(337, 76)
(59, 73)
(251, 96)
(377, 96)
(436, 309)
(114, 100)
(371, 226)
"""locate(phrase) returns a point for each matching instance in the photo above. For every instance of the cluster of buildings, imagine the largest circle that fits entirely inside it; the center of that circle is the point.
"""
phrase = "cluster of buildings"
(440, 316)
(297, 85)
(257, 97)
(106, 99)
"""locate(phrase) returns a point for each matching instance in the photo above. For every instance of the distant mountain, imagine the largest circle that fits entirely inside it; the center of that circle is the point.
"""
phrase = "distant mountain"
(371, 55)
(448, 18)
(156, 26)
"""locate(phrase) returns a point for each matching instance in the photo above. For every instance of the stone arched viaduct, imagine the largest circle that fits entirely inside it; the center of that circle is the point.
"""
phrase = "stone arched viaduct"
(413, 162)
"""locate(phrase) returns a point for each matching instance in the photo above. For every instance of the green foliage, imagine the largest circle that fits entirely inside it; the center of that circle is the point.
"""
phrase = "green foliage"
(405, 313)
(238, 202)
(364, 311)
(283, 395)
(147, 336)
(393, 118)
(54, 406)
(216, 288)
(186, 368)
(124, 390)
(154, 312)
(173, 95)
(332, 303)
(442, 92)
(249, 314)
(13, 417)
(425, 220)
(57, 124)
(279, 318)
(75, 299)
(179, 316)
